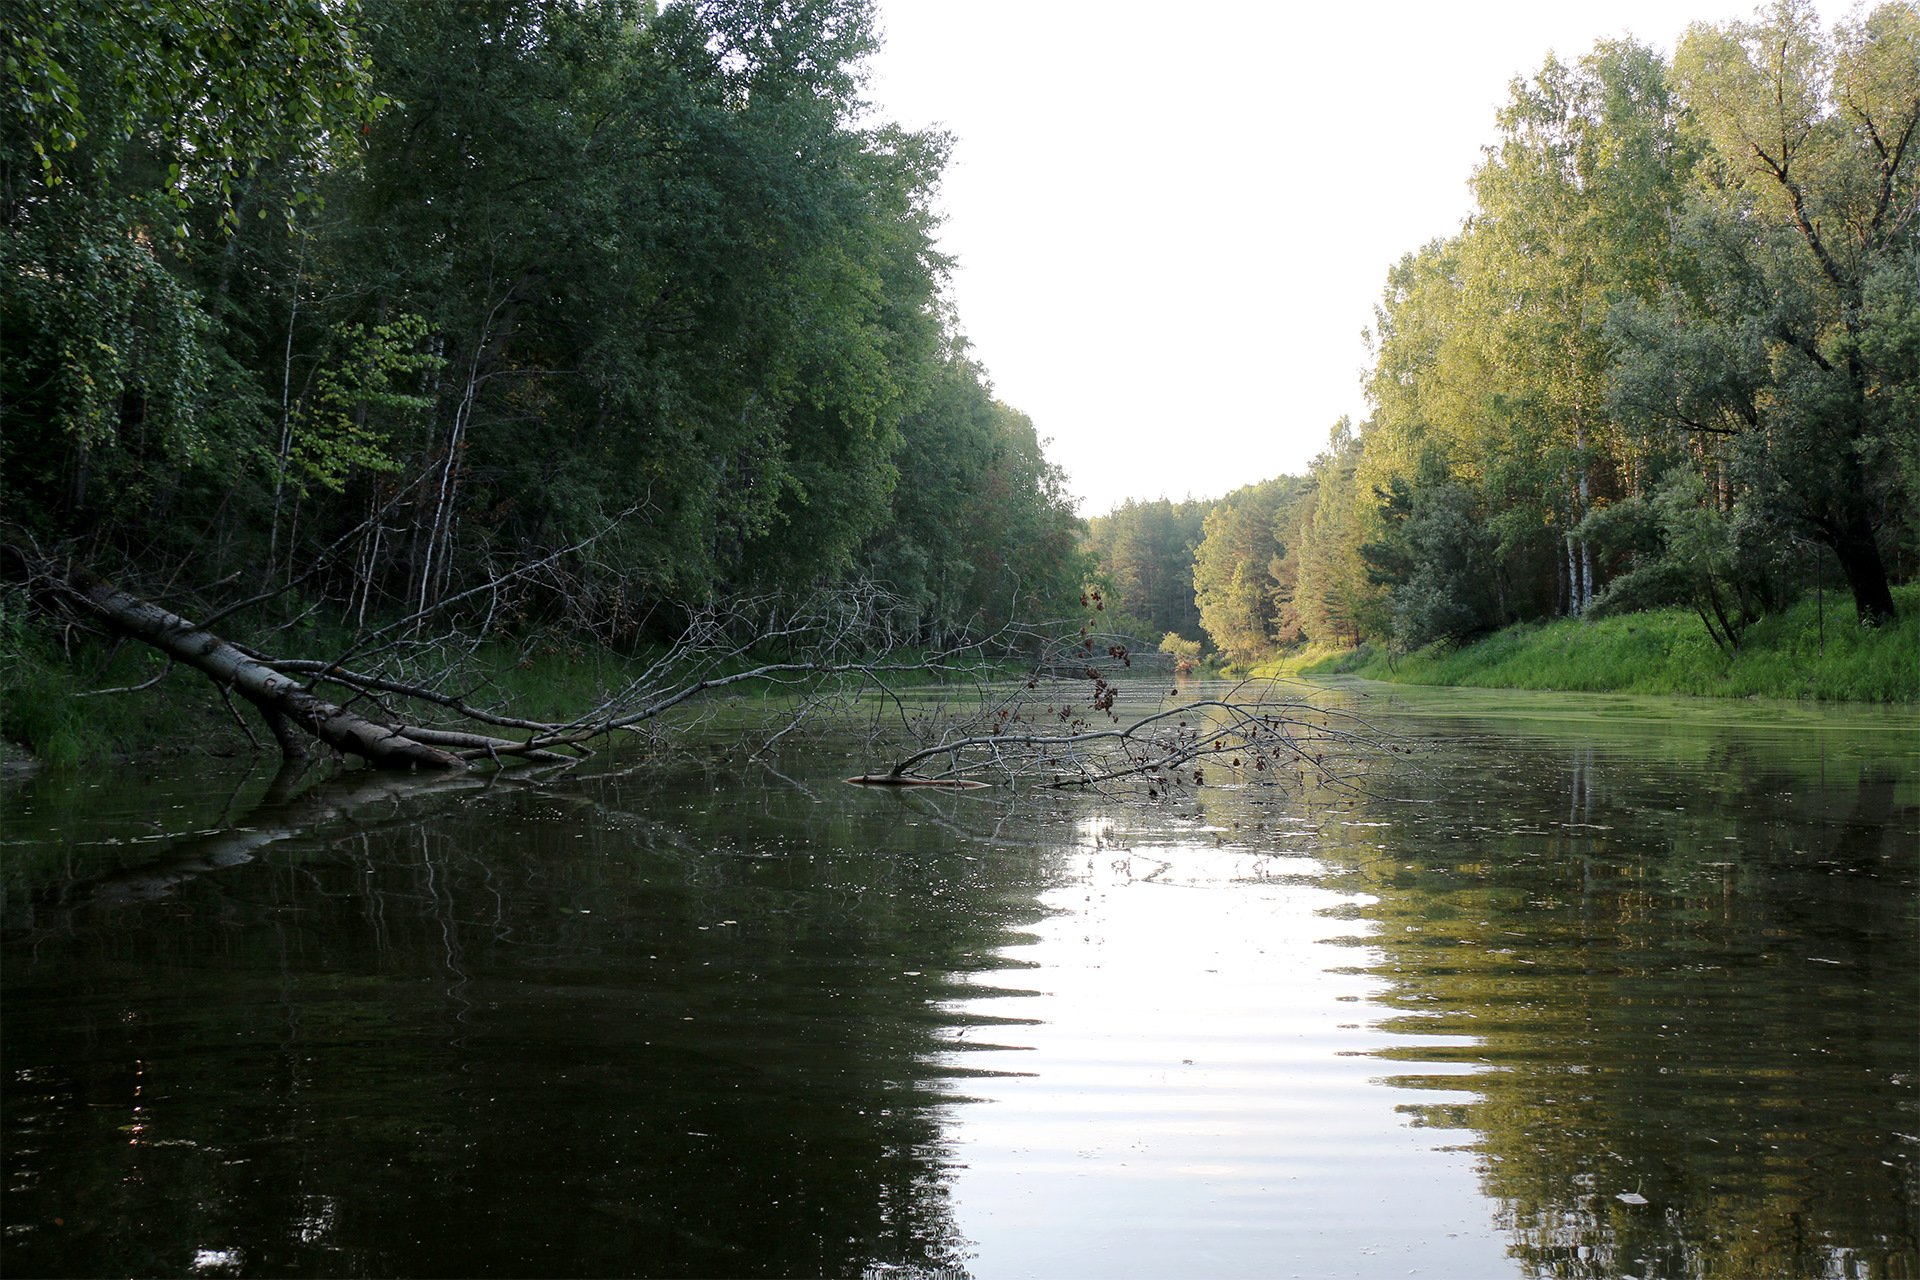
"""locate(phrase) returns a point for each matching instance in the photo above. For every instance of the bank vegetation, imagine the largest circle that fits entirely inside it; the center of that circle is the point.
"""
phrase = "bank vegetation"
(423, 341)
(1670, 362)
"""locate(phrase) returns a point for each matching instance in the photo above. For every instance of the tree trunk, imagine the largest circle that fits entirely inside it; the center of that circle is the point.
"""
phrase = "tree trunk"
(1586, 575)
(277, 697)
(1860, 560)
(1571, 572)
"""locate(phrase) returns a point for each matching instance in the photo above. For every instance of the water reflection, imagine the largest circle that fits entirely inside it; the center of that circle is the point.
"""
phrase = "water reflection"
(1197, 1098)
(645, 1025)
(1687, 993)
(1620, 998)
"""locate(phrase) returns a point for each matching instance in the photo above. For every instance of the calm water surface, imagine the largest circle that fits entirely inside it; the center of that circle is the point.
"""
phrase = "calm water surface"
(1585, 987)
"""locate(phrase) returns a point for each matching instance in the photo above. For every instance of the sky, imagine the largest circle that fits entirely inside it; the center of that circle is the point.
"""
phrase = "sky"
(1172, 221)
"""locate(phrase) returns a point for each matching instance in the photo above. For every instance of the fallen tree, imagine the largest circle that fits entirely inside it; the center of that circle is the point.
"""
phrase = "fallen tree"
(1165, 741)
(398, 703)
(426, 713)
(283, 702)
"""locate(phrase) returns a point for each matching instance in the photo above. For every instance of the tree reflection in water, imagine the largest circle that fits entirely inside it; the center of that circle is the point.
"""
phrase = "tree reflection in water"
(1685, 996)
(691, 1021)
(675, 1025)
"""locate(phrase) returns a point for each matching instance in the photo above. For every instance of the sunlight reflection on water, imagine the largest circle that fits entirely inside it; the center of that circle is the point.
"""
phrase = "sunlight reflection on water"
(1565, 994)
(1197, 1076)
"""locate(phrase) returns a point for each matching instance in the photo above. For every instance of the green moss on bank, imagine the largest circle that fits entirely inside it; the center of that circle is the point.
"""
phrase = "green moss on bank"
(1790, 655)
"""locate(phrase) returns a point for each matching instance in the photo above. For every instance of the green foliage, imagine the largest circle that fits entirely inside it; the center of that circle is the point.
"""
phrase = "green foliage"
(1236, 564)
(1146, 550)
(215, 89)
(1492, 361)
(1673, 351)
(923, 551)
(126, 124)
(357, 402)
(635, 292)
(981, 529)
(1680, 548)
(1437, 558)
(1804, 210)
(667, 273)
(1325, 595)
(1184, 652)
(1814, 650)
(106, 353)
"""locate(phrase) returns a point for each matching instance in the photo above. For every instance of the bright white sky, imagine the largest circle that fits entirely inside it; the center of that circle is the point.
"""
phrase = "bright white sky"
(1172, 221)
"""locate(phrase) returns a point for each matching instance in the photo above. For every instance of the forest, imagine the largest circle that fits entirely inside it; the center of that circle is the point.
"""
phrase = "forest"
(534, 321)
(557, 326)
(1671, 359)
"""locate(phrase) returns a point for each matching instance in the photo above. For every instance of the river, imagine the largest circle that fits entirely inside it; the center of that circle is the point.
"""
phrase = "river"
(1583, 986)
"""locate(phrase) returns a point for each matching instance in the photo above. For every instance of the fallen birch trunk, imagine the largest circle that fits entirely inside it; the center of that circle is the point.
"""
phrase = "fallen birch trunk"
(278, 698)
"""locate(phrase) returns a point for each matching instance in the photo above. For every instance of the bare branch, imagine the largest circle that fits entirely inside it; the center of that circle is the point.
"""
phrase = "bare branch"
(130, 688)
(1247, 733)
(837, 654)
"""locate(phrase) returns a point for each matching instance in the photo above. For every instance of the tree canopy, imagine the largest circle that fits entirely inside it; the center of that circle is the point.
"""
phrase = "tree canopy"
(1670, 358)
(371, 304)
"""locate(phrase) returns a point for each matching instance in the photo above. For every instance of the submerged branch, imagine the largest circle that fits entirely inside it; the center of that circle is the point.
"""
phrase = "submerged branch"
(1246, 732)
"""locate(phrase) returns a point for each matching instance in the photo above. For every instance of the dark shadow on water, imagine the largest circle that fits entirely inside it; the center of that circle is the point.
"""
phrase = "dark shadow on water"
(670, 1022)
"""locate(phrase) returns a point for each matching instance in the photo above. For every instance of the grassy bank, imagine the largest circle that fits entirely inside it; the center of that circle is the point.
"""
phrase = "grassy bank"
(50, 715)
(1311, 658)
(1790, 655)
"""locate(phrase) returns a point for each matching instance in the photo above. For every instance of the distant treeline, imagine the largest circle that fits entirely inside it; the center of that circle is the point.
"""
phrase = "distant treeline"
(1672, 358)
(378, 301)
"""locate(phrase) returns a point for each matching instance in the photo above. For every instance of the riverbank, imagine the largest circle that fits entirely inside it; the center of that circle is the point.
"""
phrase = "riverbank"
(98, 701)
(1811, 651)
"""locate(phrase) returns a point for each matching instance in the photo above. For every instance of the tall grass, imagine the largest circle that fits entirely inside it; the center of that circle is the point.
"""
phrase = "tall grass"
(48, 706)
(1810, 651)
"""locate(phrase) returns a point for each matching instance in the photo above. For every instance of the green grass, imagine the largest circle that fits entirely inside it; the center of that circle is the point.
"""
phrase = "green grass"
(1667, 652)
(1309, 658)
(46, 711)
